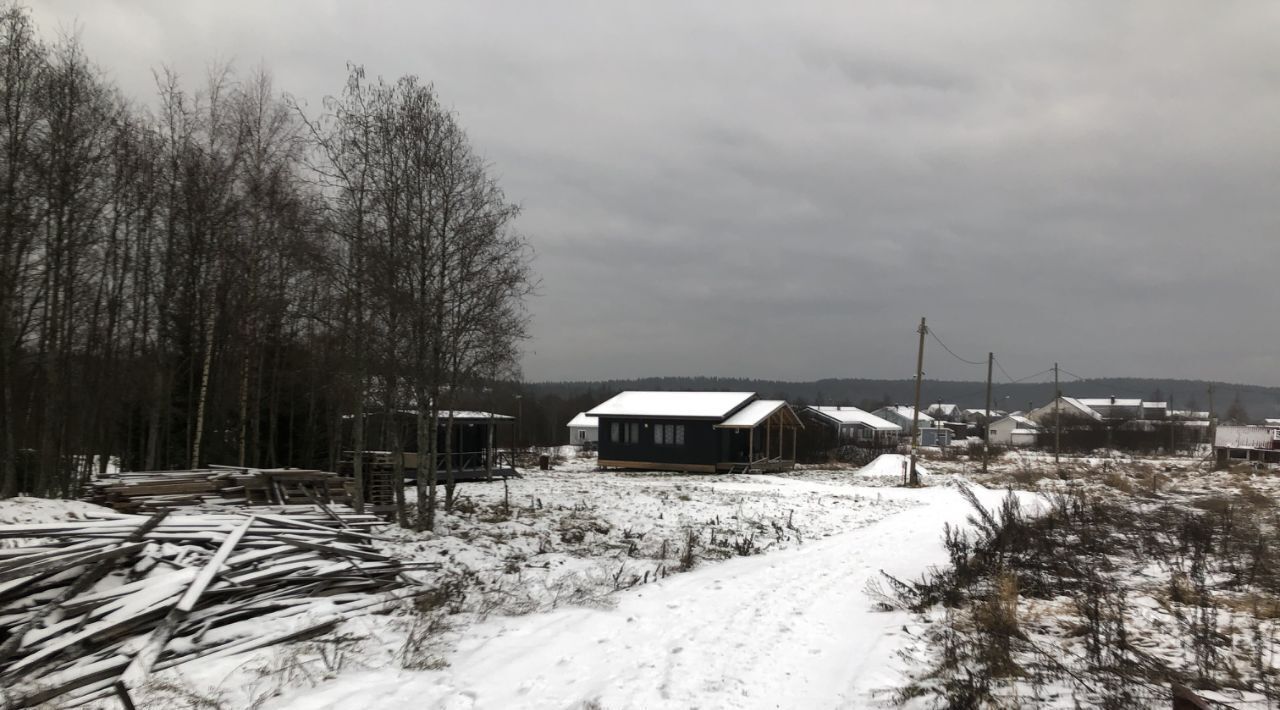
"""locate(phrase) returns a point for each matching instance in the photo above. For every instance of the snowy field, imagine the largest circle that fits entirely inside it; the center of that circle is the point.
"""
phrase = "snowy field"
(574, 588)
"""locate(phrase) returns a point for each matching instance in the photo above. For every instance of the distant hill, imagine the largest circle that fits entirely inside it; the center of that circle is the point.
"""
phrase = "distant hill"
(1258, 401)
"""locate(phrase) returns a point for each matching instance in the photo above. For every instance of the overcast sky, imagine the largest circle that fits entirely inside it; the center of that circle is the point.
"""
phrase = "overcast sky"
(782, 190)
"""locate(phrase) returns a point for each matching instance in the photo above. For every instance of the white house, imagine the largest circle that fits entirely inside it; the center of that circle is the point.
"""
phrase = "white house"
(1068, 408)
(1013, 430)
(584, 430)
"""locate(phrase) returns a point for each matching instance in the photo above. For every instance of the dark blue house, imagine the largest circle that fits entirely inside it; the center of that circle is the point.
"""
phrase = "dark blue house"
(702, 432)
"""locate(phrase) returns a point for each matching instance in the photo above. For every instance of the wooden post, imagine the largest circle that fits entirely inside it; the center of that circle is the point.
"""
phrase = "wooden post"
(488, 450)
(1057, 422)
(986, 418)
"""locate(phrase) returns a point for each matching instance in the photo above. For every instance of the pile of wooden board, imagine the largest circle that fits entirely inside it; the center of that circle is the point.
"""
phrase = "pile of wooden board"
(90, 608)
(149, 491)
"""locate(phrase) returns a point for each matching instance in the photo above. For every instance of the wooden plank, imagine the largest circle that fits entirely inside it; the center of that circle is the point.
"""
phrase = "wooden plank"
(140, 667)
(85, 581)
(61, 564)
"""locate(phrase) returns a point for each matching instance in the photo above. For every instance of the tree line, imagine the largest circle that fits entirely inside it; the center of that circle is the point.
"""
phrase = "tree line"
(225, 277)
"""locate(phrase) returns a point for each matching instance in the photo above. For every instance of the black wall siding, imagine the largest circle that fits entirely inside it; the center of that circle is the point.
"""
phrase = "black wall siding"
(701, 442)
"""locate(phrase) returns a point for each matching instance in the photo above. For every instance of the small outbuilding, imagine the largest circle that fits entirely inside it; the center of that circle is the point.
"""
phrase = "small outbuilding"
(584, 430)
(702, 432)
(1013, 430)
(1247, 443)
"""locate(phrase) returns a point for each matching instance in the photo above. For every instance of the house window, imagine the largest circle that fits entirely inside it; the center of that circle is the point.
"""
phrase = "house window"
(669, 434)
(624, 432)
(582, 435)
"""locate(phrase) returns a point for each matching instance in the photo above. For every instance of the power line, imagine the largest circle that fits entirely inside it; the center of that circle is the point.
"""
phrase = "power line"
(949, 350)
(1010, 378)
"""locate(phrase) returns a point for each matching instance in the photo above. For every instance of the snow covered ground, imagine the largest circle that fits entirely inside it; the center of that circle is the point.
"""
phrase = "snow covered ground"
(579, 588)
(791, 628)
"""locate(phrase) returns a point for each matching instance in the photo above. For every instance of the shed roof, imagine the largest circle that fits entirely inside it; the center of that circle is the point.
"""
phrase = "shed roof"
(471, 414)
(853, 415)
(443, 414)
(753, 414)
(672, 405)
(584, 420)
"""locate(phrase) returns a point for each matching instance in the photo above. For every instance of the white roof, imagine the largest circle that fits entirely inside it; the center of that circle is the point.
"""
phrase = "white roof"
(1270, 422)
(1080, 404)
(853, 415)
(472, 414)
(683, 405)
(584, 420)
(443, 414)
(1020, 421)
(945, 409)
(752, 414)
(1106, 402)
(907, 413)
(1244, 437)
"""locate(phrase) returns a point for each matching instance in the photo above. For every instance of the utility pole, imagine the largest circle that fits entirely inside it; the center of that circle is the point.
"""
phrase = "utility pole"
(915, 414)
(986, 419)
(1213, 421)
(519, 420)
(1057, 422)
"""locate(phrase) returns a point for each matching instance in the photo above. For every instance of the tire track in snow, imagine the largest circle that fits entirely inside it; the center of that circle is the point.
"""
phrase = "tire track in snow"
(792, 628)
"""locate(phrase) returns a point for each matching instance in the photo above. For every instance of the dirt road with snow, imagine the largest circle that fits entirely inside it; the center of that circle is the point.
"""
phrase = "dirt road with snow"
(783, 630)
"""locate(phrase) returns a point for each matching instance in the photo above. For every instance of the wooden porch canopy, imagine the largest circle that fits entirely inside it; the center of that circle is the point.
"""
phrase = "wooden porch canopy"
(774, 415)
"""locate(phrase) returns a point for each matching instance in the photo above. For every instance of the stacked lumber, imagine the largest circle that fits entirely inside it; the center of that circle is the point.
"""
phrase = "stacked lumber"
(90, 608)
(150, 491)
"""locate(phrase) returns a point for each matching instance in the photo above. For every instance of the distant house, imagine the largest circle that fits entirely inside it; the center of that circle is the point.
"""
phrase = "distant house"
(1013, 430)
(855, 426)
(1247, 443)
(1068, 408)
(945, 412)
(932, 431)
(702, 432)
(979, 416)
(1114, 410)
(584, 430)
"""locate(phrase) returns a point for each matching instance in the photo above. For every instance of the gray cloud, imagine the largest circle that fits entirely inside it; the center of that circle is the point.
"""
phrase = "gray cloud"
(782, 191)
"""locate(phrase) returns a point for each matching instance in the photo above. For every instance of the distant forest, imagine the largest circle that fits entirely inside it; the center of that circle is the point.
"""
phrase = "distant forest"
(550, 405)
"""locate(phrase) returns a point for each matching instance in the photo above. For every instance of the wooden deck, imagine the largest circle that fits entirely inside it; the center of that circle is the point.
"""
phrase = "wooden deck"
(758, 466)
